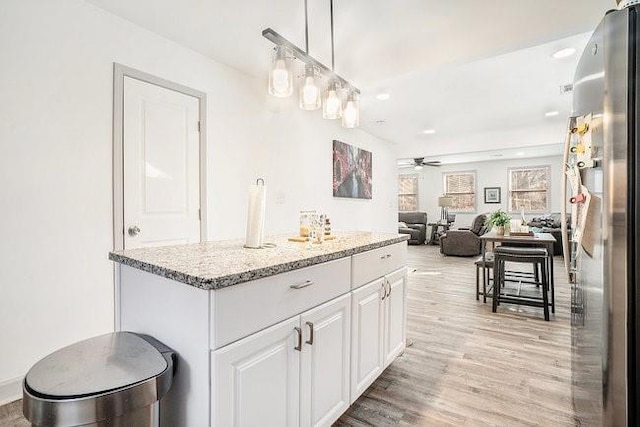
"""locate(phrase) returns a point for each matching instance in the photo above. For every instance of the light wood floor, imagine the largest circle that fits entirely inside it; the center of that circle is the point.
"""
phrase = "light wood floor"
(465, 365)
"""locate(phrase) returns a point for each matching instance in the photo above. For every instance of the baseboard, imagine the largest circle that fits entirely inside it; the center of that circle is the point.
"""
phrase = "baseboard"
(10, 390)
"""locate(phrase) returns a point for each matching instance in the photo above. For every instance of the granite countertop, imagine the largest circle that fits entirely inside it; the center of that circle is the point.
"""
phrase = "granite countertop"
(215, 265)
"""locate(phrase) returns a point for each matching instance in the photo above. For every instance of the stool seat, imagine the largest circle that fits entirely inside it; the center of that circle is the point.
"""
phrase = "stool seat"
(538, 257)
(486, 262)
(523, 252)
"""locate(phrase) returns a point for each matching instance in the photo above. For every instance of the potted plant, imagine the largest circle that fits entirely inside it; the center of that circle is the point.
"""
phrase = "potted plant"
(498, 219)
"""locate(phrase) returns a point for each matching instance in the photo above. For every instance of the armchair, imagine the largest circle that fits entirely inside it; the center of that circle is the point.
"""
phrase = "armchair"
(416, 226)
(464, 242)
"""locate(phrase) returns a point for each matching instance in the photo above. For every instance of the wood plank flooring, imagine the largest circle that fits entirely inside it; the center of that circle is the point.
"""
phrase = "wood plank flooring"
(465, 365)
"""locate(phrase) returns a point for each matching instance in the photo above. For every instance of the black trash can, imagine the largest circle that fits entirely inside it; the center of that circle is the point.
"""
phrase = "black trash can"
(115, 379)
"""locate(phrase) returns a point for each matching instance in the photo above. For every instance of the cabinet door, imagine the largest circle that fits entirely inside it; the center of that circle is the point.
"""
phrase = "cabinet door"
(325, 362)
(367, 318)
(395, 316)
(255, 381)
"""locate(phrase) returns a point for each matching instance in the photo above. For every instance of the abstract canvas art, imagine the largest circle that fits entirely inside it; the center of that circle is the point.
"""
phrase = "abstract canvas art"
(351, 171)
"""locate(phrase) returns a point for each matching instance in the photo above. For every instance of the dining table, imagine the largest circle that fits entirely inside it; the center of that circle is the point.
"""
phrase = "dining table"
(545, 240)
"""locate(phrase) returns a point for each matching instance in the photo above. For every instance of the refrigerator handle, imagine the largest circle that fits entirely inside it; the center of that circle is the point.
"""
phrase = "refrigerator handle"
(566, 246)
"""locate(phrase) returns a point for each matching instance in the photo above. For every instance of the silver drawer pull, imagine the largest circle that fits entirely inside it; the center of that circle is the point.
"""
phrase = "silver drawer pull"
(385, 256)
(299, 334)
(310, 340)
(302, 285)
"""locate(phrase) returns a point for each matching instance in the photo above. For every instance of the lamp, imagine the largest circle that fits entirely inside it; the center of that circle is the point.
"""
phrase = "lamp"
(445, 202)
(310, 89)
(281, 78)
(351, 111)
(331, 103)
(280, 75)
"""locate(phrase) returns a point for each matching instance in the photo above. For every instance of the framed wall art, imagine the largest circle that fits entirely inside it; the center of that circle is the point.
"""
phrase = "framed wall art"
(351, 171)
(492, 195)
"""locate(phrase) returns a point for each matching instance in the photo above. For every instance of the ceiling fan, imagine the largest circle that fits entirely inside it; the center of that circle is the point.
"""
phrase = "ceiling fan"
(419, 163)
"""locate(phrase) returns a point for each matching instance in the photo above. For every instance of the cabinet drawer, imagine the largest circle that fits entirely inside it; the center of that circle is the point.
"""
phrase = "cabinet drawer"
(370, 265)
(240, 310)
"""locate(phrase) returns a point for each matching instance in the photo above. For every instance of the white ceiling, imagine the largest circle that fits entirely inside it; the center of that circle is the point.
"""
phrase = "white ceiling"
(431, 55)
(489, 155)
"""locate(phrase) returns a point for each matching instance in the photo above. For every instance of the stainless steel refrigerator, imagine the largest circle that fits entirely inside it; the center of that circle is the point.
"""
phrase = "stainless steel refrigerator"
(604, 296)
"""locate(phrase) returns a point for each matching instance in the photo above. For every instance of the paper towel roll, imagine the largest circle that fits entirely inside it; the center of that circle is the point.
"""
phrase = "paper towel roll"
(255, 216)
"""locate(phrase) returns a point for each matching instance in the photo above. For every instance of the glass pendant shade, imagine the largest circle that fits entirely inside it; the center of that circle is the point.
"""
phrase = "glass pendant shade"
(281, 74)
(331, 103)
(310, 98)
(351, 111)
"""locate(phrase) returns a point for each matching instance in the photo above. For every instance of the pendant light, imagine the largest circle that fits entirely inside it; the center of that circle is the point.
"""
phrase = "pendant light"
(331, 102)
(351, 111)
(311, 97)
(310, 89)
(281, 75)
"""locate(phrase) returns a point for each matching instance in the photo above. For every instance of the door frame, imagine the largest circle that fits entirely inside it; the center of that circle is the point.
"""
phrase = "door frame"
(119, 73)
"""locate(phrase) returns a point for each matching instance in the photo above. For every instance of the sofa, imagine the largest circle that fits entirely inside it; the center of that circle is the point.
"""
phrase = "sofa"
(551, 223)
(464, 241)
(415, 225)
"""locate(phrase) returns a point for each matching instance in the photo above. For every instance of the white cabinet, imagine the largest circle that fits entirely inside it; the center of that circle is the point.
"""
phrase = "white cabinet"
(256, 381)
(325, 363)
(378, 328)
(394, 315)
(293, 373)
(367, 323)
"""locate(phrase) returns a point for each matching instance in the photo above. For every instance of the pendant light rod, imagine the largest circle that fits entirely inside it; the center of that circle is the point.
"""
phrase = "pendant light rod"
(306, 28)
(333, 61)
(278, 40)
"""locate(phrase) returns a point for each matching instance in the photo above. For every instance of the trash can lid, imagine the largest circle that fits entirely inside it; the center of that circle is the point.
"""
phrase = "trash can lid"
(94, 366)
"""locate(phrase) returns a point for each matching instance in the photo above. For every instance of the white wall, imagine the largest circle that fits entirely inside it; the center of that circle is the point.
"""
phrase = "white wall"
(55, 166)
(488, 174)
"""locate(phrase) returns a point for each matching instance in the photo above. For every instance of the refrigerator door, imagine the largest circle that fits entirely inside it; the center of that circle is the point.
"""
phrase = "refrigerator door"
(619, 57)
(603, 299)
(587, 338)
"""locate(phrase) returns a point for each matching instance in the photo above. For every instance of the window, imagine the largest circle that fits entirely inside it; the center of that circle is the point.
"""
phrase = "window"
(407, 193)
(461, 187)
(529, 189)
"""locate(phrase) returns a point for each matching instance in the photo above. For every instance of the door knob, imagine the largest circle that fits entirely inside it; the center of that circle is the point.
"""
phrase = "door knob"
(134, 230)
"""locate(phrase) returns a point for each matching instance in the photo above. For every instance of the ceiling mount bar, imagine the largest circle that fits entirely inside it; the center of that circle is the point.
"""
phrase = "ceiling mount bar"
(277, 39)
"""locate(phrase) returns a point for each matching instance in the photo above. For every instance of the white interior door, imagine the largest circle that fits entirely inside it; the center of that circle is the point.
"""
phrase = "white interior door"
(161, 166)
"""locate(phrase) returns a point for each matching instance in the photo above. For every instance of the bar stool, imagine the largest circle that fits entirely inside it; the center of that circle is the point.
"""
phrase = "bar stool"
(537, 257)
(487, 263)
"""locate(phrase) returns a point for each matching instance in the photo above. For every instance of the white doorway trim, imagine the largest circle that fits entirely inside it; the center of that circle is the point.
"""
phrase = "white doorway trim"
(119, 73)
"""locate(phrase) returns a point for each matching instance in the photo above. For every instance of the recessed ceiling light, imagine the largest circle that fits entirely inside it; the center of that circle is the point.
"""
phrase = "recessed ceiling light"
(564, 53)
(383, 96)
(429, 131)
(520, 153)
(497, 155)
(551, 113)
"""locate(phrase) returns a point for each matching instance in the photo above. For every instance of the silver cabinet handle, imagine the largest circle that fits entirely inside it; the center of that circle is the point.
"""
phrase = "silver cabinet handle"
(385, 256)
(299, 332)
(310, 340)
(389, 291)
(302, 285)
(384, 291)
(133, 230)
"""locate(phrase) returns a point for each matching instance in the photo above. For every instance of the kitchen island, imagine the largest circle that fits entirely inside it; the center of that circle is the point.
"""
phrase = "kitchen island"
(288, 335)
